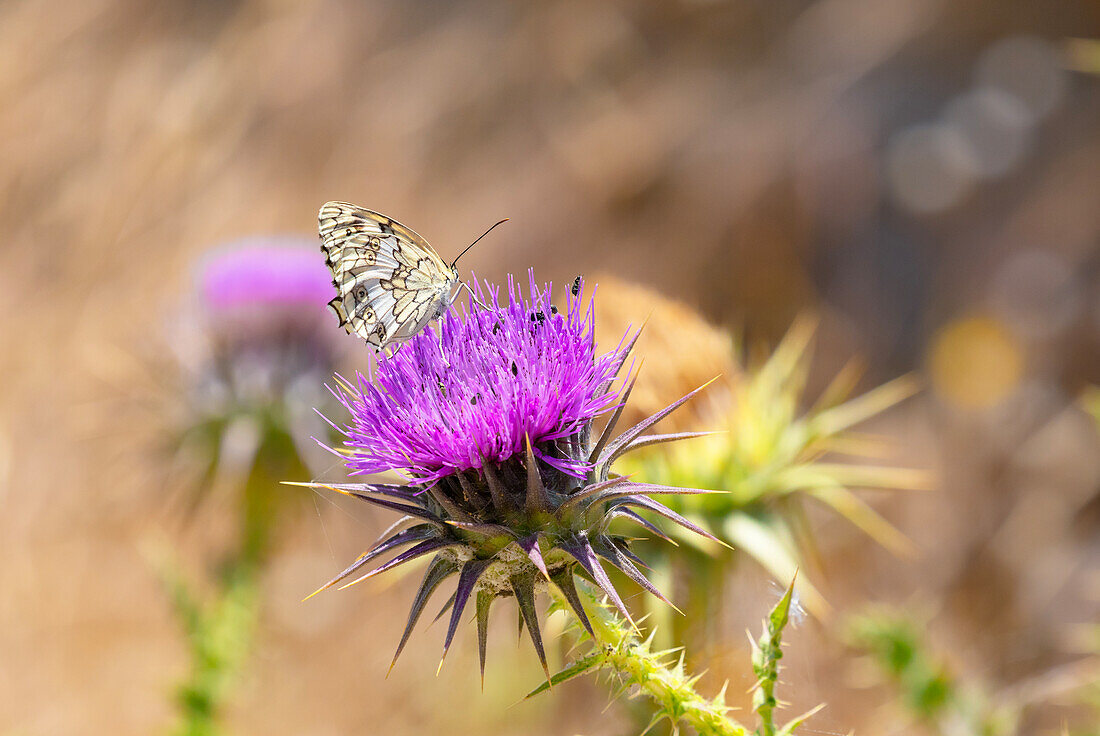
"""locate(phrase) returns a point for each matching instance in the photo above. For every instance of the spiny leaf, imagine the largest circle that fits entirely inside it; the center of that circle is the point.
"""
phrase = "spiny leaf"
(767, 651)
(640, 520)
(657, 439)
(412, 534)
(402, 508)
(425, 547)
(467, 579)
(633, 489)
(789, 727)
(616, 557)
(630, 434)
(624, 353)
(524, 588)
(565, 583)
(780, 613)
(589, 491)
(661, 510)
(530, 545)
(578, 668)
(438, 571)
(607, 430)
(488, 530)
(484, 600)
(581, 550)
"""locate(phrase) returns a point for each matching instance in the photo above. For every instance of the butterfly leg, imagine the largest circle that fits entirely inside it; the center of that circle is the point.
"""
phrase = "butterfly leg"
(442, 353)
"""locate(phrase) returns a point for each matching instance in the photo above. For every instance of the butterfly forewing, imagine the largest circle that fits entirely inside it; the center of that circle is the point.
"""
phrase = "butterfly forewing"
(389, 281)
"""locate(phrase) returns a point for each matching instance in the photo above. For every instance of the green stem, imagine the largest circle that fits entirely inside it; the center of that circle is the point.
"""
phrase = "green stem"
(220, 635)
(220, 630)
(656, 674)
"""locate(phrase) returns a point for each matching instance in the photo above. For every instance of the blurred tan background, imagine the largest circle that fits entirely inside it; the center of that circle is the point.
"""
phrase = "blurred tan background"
(925, 175)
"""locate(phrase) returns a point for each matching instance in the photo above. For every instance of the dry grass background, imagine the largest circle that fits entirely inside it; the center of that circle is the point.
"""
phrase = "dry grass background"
(734, 155)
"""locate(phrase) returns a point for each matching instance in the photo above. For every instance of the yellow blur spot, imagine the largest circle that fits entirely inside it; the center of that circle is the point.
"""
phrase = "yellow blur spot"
(976, 362)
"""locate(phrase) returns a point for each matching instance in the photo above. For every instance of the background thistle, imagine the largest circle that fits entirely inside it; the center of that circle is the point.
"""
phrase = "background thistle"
(509, 487)
(252, 351)
(773, 456)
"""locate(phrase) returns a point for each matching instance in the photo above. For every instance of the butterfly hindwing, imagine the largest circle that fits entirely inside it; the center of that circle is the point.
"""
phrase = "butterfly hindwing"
(389, 281)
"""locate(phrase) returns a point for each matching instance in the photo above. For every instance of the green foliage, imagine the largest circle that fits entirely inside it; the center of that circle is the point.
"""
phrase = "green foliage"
(635, 665)
(219, 634)
(220, 626)
(929, 691)
(766, 653)
(638, 668)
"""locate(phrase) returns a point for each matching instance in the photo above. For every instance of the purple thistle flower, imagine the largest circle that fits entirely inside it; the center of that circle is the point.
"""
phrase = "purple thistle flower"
(509, 489)
(257, 337)
(505, 375)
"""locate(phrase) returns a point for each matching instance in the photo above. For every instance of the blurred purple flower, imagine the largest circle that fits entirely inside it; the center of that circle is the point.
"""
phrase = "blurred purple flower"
(514, 372)
(266, 272)
(256, 343)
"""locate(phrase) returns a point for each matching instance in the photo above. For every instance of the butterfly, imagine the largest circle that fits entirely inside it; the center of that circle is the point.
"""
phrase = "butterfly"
(390, 283)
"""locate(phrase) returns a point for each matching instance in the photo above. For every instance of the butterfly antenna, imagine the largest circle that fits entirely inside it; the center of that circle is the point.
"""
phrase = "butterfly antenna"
(471, 245)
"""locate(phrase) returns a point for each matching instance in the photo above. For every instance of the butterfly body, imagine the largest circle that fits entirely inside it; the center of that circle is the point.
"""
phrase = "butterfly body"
(390, 283)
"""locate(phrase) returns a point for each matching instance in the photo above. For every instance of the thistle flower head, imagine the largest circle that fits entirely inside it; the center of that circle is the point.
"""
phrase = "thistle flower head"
(509, 487)
(253, 345)
(496, 379)
(260, 326)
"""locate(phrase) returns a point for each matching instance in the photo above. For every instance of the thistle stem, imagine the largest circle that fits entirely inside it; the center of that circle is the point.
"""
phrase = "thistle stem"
(655, 674)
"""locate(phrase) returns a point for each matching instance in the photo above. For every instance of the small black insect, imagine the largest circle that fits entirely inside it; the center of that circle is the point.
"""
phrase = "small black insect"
(515, 371)
(496, 328)
(576, 286)
(553, 309)
(474, 398)
(539, 317)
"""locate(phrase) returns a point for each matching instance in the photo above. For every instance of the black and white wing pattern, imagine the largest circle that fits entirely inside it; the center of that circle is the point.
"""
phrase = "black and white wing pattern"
(389, 282)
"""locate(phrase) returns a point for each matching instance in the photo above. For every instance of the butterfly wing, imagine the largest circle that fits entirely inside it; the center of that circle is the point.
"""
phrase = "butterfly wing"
(389, 281)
